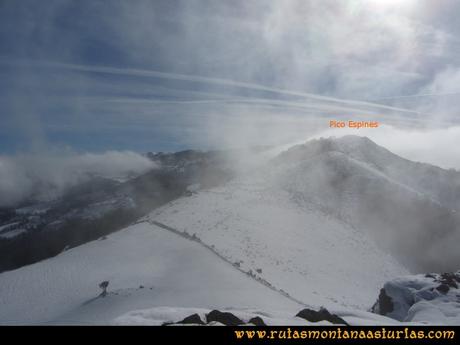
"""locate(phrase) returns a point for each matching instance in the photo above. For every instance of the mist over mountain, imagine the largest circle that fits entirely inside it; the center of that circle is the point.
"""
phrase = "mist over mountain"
(45, 176)
(170, 162)
(83, 203)
(324, 223)
(410, 208)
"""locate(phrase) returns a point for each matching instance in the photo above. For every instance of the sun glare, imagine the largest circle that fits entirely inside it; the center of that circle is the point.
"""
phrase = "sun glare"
(389, 4)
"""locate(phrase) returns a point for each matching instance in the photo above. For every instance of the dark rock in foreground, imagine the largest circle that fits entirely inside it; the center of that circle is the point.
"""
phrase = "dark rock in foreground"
(385, 303)
(193, 319)
(257, 321)
(321, 315)
(228, 319)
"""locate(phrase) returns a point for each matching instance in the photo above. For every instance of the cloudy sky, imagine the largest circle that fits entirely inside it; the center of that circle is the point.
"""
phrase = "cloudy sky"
(93, 75)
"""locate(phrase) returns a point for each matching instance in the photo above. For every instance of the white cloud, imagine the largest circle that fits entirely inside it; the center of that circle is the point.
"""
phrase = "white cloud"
(47, 175)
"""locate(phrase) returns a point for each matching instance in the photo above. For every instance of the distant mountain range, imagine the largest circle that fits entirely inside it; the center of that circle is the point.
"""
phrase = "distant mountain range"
(35, 230)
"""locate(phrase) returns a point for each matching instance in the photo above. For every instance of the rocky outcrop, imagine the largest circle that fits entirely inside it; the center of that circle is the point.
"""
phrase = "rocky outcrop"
(216, 317)
(228, 319)
(193, 319)
(320, 315)
(429, 297)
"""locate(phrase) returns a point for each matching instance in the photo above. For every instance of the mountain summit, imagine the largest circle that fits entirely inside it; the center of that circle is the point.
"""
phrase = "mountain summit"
(410, 208)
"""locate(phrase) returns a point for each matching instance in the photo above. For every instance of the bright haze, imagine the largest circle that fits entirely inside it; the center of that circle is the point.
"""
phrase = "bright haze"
(137, 76)
(179, 156)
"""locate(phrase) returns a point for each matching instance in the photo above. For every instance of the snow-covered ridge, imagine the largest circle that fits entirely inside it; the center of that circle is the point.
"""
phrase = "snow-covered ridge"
(439, 184)
(146, 266)
(302, 251)
(370, 188)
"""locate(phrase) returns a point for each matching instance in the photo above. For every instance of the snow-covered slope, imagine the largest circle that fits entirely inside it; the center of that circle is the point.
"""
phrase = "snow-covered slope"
(320, 220)
(171, 270)
(284, 235)
(155, 275)
(305, 252)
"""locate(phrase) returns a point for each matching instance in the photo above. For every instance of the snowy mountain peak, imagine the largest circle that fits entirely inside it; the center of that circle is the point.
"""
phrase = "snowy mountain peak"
(347, 142)
(394, 199)
(361, 148)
